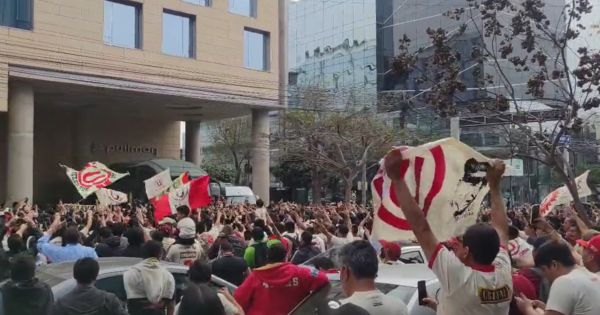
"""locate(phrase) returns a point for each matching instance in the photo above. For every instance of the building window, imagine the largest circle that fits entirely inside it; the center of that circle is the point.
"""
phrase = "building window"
(122, 24)
(243, 7)
(178, 34)
(204, 3)
(256, 50)
(16, 13)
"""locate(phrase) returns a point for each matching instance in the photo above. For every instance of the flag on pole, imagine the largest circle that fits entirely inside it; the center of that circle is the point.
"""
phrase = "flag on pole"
(444, 178)
(193, 194)
(562, 195)
(109, 197)
(92, 177)
(158, 184)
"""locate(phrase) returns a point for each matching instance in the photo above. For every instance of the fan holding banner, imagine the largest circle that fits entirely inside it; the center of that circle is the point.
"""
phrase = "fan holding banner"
(446, 183)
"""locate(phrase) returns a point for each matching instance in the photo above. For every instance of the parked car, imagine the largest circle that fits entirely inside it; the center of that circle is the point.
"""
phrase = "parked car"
(59, 276)
(411, 254)
(236, 195)
(398, 281)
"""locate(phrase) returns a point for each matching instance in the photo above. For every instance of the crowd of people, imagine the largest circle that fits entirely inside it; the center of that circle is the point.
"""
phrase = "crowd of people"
(506, 263)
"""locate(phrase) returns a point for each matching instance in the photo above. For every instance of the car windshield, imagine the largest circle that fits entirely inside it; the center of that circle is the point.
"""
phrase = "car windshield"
(49, 279)
(236, 200)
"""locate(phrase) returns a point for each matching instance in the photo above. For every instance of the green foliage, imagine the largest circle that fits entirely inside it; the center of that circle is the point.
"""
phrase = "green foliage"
(220, 172)
(293, 174)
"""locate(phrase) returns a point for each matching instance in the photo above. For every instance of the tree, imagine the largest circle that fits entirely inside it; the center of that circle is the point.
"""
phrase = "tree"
(232, 137)
(341, 142)
(510, 38)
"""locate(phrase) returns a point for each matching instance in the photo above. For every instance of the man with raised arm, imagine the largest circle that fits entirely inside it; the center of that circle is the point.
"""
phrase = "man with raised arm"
(476, 275)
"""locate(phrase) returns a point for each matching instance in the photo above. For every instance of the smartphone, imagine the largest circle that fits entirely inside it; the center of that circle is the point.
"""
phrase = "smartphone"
(422, 291)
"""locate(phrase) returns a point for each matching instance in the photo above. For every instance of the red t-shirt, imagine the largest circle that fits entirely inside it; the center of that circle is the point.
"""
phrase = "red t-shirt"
(276, 289)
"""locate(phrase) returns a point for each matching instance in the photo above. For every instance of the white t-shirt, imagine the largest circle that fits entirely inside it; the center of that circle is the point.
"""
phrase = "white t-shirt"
(337, 241)
(261, 213)
(184, 254)
(377, 303)
(576, 293)
(485, 290)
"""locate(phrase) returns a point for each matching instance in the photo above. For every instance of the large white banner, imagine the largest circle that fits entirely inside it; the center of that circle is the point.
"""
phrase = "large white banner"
(109, 197)
(562, 196)
(158, 184)
(444, 180)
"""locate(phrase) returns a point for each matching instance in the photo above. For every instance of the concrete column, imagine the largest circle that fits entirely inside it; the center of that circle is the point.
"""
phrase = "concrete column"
(455, 127)
(260, 154)
(193, 148)
(20, 143)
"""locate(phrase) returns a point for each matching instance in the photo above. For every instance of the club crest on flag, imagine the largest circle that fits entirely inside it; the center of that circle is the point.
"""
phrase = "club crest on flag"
(92, 177)
(445, 182)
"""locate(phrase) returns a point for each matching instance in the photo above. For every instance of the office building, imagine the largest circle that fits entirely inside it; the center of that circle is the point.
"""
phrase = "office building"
(111, 80)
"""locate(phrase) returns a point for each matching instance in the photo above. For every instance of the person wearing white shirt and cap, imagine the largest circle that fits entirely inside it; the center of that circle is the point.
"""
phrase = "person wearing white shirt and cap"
(186, 249)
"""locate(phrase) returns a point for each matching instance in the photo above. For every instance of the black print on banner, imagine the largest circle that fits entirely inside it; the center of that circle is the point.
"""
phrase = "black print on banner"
(468, 188)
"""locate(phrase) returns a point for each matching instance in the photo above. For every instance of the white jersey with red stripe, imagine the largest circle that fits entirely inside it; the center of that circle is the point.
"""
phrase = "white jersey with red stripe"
(476, 290)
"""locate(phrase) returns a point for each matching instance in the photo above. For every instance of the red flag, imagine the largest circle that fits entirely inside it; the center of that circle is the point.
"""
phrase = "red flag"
(193, 194)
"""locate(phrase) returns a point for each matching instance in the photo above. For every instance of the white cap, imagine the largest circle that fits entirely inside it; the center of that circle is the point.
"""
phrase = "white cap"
(187, 228)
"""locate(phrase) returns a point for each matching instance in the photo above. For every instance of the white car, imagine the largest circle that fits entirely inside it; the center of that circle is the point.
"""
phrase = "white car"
(398, 281)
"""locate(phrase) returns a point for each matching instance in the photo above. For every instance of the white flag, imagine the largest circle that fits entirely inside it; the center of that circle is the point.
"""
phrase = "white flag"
(109, 197)
(158, 184)
(562, 196)
(443, 178)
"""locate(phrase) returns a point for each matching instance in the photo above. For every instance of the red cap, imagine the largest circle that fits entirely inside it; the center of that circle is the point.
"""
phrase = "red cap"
(593, 244)
(392, 250)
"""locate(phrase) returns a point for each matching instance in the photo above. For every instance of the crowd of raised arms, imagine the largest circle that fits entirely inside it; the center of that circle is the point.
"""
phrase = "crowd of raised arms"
(507, 262)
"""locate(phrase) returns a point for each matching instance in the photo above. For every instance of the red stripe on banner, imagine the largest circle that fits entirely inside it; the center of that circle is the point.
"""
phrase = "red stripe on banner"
(438, 177)
(436, 187)
(391, 219)
(418, 169)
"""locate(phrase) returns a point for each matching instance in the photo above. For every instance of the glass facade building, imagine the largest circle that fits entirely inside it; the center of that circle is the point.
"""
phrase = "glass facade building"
(333, 47)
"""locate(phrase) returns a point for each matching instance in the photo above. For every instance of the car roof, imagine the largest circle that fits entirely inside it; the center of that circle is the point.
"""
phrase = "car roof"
(64, 270)
(403, 275)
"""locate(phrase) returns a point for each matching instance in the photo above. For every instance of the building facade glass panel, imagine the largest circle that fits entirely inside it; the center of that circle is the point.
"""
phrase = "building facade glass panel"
(178, 35)
(332, 47)
(204, 3)
(16, 13)
(243, 7)
(121, 24)
(256, 50)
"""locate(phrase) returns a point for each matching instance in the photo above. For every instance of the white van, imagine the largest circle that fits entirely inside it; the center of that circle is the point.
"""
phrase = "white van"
(236, 195)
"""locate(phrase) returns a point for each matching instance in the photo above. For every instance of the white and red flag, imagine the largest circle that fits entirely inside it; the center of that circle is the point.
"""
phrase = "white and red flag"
(444, 178)
(183, 179)
(562, 196)
(193, 194)
(158, 184)
(109, 197)
(92, 177)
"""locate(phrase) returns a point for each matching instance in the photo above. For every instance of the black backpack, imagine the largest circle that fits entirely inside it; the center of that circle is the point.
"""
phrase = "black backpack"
(260, 254)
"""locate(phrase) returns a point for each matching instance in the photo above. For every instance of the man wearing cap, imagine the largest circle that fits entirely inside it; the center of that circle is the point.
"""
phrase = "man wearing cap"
(166, 226)
(591, 254)
(185, 250)
(390, 253)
